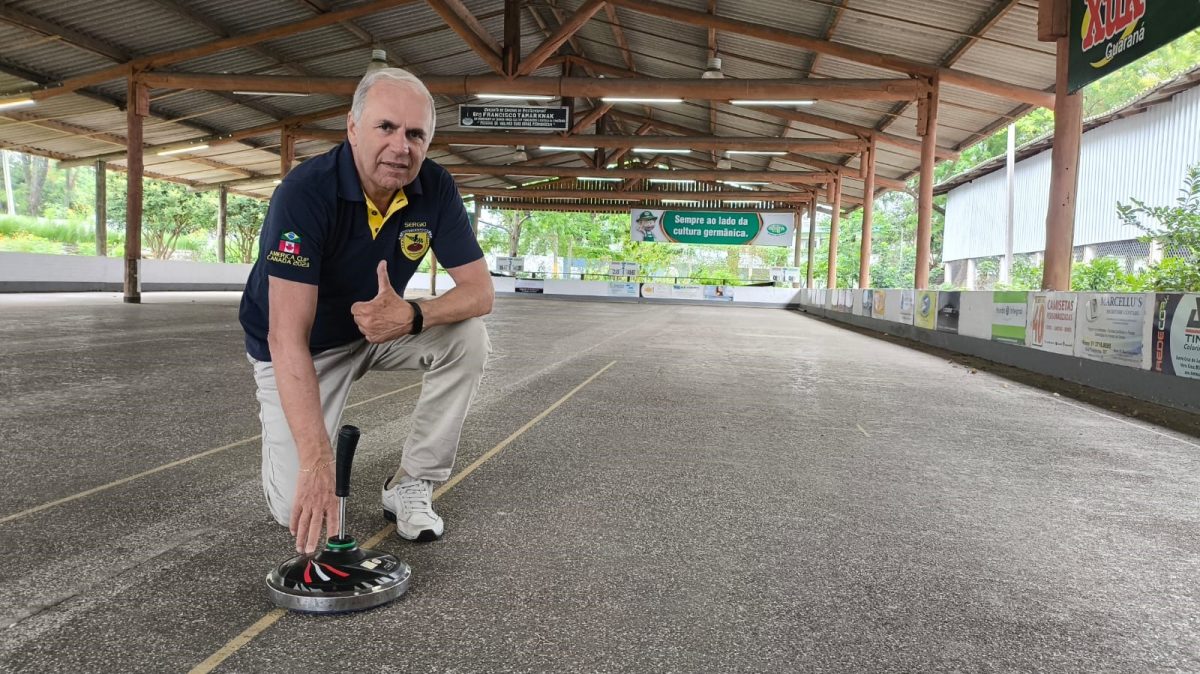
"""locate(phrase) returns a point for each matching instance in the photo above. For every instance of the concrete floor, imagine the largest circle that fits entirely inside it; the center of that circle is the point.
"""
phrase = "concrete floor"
(742, 490)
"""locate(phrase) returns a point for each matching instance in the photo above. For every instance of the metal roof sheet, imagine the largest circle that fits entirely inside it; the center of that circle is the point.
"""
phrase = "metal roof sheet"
(414, 34)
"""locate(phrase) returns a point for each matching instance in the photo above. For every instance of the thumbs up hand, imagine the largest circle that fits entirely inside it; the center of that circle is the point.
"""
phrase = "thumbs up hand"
(386, 316)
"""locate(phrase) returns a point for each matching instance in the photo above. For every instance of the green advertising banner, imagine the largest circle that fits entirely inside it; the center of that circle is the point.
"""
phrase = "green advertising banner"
(1008, 316)
(715, 228)
(1106, 35)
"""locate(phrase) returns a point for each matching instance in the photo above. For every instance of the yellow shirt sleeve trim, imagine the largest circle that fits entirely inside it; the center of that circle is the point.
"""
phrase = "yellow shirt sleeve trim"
(375, 219)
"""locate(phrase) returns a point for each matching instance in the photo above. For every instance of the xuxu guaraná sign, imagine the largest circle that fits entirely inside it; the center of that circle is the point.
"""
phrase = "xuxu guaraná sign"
(1106, 35)
(713, 227)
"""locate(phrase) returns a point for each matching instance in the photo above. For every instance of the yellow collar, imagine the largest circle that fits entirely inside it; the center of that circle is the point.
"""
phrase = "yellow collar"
(375, 220)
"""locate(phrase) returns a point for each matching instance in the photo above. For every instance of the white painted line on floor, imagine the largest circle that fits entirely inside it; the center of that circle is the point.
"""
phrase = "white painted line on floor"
(240, 640)
(274, 615)
(864, 432)
(1125, 421)
(165, 466)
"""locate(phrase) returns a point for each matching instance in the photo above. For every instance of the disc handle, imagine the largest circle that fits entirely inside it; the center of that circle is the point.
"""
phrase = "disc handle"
(346, 443)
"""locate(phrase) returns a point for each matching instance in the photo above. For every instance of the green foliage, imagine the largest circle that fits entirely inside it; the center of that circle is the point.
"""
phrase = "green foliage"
(169, 211)
(1025, 275)
(23, 242)
(1103, 274)
(654, 259)
(1104, 95)
(56, 231)
(243, 221)
(1178, 233)
(1123, 86)
(1173, 274)
(848, 253)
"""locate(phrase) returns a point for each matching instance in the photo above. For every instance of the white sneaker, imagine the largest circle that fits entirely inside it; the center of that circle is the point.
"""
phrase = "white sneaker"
(410, 505)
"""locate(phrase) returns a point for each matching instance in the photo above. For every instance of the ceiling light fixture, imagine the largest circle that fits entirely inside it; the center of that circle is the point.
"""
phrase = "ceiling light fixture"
(757, 102)
(16, 103)
(270, 93)
(770, 153)
(623, 99)
(651, 150)
(595, 179)
(515, 97)
(669, 180)
(712, 71)
(561, 148)
(181, 150)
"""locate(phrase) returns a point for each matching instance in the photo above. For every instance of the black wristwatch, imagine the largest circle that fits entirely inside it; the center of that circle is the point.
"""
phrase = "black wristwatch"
(418, 319)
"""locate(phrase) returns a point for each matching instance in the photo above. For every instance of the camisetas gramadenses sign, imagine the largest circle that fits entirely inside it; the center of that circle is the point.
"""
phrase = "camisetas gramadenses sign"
(715, 228)
(1051, 322)
(1106, 35)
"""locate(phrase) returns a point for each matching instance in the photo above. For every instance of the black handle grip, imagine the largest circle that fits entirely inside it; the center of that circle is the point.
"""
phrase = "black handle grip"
(347, 442)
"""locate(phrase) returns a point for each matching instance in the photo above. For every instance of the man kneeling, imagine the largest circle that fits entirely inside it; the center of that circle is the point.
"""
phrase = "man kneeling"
(344, 233)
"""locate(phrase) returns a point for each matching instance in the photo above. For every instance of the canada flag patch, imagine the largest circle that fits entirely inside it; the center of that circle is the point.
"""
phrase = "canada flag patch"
(290, 243)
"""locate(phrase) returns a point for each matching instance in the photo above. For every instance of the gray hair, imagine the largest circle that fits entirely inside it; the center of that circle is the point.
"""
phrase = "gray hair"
(398, 76)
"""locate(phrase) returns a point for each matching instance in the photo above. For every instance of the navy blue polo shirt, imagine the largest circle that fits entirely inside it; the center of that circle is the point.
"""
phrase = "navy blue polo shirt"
(317, 232)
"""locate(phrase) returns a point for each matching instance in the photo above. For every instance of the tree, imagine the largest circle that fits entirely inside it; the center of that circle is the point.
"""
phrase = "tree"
(1178, 232)
(243, 221)
(169, 211)
(508, 223)
(1103, 274)
(34, 169)
(849, 252)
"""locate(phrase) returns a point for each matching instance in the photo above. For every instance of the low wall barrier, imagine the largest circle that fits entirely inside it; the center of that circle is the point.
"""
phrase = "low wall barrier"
(1146, 345)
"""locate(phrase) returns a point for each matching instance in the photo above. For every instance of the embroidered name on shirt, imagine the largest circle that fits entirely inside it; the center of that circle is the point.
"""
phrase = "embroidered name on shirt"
(288, 258)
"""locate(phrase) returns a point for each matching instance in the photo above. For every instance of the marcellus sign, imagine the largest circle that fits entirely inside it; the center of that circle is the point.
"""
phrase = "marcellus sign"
(1109, 34)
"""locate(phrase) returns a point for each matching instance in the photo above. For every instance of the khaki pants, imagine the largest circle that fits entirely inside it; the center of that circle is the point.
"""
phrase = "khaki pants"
(452, 356)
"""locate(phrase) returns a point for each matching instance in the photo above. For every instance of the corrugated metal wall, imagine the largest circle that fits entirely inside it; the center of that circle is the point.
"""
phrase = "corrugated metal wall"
(1143, 156)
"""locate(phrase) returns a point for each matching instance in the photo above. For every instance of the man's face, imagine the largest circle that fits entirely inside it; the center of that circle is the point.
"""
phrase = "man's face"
(391, 138)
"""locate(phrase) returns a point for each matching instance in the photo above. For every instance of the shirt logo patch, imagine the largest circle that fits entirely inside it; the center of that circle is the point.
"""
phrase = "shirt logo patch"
(289, 243)
(288, 251)
(414, 243)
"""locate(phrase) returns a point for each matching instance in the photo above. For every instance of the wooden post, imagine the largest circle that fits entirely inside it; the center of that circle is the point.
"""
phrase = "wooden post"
(796, 239)
(432, 274)
(287, 151)
(101, 208)
(478, 212)
(9, 204)
(1064, 178)
(864, 260)
(222, 214)
(1010, 166)
(927, 128)
(831, 274)
(137, 106)
(812, 236)
(512, 37)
